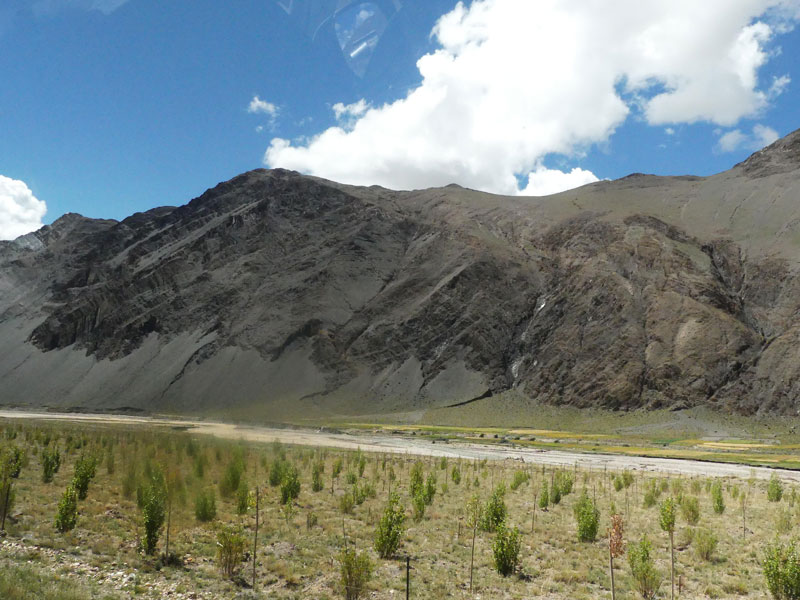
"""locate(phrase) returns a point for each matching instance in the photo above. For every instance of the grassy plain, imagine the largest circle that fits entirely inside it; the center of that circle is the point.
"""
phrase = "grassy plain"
(299, 547)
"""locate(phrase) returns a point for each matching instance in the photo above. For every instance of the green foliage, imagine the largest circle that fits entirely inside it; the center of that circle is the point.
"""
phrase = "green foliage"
(229, 484)
(690, 509)
(774, 489)
(12, 459)
(416, 481)
(588, 518)
(666, 517)
(627, 478)
(51, 462)
(316, 476)
(67, 513)
(205, 506)
(782, 571)
(418, 505)
(242, 497)
(455, 475)
(649, 498)
(544, 497)
(154, 510)
(618, 485)
(277, 470)
(520, 477)
(783, 520)
(716, 498)
(361, 463)
(337, 468)
(555, 493)
(355, 571)
(390, 528)
(495, 510)
(347, 503)
(230, 549)
(290, 486)
(646, 578)
(85, 470)
(443, 463)
(563, 482)
(130, 480)
(705, 543)
(430, 488)
(505, 549)
(350, 478)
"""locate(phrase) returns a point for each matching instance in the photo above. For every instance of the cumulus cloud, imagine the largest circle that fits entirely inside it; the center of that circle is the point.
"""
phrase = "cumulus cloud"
(543, 181)
(20, 211)
(513, 81)
(735, 139)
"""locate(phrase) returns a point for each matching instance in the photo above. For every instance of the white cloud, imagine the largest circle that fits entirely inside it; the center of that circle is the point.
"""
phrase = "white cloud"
(514, 80)
(20, 211)
(735, 139)
(356, 109)
(257, 105)
(669, 131)
(543, 181)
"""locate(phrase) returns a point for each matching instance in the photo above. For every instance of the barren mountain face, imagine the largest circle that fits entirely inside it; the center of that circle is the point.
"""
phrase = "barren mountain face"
(277, 289)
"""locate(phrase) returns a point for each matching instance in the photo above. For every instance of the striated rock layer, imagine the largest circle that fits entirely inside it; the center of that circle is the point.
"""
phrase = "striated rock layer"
(281, 289)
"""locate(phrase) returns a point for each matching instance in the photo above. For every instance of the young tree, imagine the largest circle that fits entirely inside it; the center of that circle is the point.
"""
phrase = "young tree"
(616, 547)
(643, 570)
(505, 549)
(390, 528)
(154, 507)
(67, 514)
(290, 486)
(716, 498)
(588, 518)
(774, 489)
(51, 462)
(85, 469)
(355, 572)
(667, 522)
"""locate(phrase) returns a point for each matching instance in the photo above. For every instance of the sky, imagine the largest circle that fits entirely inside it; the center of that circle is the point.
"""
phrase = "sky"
(109, 107)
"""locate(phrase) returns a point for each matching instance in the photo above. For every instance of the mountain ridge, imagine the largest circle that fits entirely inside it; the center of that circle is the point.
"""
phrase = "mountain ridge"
(277, 290)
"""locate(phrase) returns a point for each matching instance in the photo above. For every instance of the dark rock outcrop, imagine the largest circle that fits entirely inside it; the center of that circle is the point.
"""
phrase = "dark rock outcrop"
(277, 288)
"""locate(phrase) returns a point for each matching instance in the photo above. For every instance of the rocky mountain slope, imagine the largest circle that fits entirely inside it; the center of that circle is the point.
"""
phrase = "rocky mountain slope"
(276, 289)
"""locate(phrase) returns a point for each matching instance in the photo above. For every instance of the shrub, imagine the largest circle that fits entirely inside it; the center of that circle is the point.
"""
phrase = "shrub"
(154, 509)
(627, 478)
(351, 478)
(205, 506)
(782, 571)
(230, 549)
(337, 468)
(390, 528)
(51, 462)
(443, 463)
(455, 475)
(415, 482)
(520, 477)
(277, 470)
(544, 497)
(495, 510)
(85, 469)
(229, 484)
(355, 572)
(11, 461)
(242, 497)
(690, 509)
(67, 513)
(774, 489)
(418, 504)
(649, 498)
(716, 498)
(618, 485)
(588, 518)
(505, 549)
(347, 503)
(316, 477)
(705, 543)
(645, 576)
(290, 486)
(430, 488)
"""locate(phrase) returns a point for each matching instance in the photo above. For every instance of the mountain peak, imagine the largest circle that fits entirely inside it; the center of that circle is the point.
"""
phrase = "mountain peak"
(782, 156)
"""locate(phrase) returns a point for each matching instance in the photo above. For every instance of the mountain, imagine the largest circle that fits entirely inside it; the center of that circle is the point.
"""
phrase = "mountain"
(276, 289)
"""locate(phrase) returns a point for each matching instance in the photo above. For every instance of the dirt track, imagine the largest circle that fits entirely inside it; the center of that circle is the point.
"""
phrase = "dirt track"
(420, 446)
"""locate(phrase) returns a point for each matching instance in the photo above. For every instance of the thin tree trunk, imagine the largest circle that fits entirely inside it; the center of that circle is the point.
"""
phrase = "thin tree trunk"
(255, 542)
(5, 505)
(611, 568)
(472, 557)
(672, 565)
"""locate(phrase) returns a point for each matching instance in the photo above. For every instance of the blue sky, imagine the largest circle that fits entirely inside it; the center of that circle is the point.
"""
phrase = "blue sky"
(108, 107)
